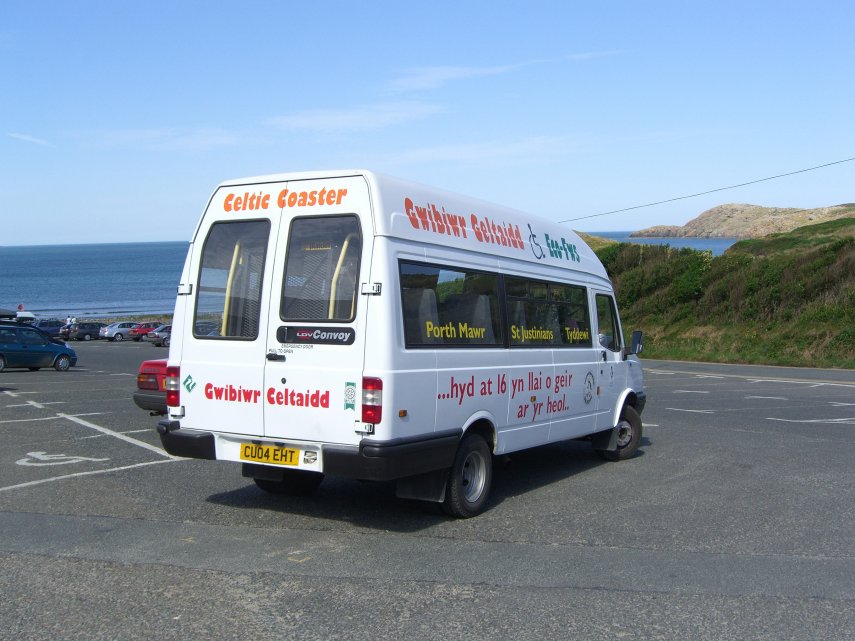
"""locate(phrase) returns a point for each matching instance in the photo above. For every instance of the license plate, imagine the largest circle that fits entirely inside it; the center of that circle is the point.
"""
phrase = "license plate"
(269, 454)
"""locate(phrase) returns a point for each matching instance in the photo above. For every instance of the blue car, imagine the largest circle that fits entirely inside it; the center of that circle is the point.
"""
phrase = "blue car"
(27, 346)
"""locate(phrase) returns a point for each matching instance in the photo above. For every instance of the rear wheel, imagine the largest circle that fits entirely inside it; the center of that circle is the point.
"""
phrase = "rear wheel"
(469, 479)
(629, 436)
(2, 363)
(87, 337)
(293, 483)
(166, 342)
(62, 363)
(118, 337)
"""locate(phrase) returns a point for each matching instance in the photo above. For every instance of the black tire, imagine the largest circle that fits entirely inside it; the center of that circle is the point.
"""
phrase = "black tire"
(2, 363)
(119, 337)
(62, 363)
(294, 483)
(469, 478)
(629, 436)
(166, 342)
(87, 337)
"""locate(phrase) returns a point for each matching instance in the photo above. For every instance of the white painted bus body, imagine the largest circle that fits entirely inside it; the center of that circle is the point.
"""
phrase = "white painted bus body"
(302, 291)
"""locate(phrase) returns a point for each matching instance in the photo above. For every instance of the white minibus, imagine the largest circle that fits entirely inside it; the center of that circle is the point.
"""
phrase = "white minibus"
(352, 324)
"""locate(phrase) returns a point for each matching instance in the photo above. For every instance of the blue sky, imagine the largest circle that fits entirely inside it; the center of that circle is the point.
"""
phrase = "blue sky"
(118, 119)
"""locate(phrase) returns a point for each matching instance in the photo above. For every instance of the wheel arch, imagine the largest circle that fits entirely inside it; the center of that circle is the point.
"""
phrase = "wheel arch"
(484, 426)
(629, 397)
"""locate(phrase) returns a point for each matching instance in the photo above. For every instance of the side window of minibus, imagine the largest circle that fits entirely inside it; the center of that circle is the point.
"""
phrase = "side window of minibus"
(542, 314)
(449, 306)
(607, 323)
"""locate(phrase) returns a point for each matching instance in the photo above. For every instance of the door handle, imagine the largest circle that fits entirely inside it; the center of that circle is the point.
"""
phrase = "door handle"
(273, 356)
(603, 354)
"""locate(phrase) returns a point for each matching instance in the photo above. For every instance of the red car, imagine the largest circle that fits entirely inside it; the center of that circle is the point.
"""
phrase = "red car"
(142, 329)
(151, 386)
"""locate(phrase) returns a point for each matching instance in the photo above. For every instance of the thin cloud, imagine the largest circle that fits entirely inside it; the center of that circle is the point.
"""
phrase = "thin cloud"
(366, 117)
(31, 139)
(425, 78)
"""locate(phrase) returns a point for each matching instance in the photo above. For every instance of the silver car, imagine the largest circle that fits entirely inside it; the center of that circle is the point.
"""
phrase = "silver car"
(118, 331)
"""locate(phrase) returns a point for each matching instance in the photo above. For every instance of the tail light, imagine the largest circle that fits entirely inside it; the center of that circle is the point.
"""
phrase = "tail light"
(173, 386)
(147, 381)
(372, 400)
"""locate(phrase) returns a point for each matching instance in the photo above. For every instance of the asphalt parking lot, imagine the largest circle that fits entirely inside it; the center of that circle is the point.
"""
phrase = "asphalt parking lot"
(736, 521)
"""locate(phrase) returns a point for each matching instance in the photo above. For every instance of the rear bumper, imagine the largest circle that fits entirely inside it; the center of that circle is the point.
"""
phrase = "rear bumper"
(151, 400)
(370, 460)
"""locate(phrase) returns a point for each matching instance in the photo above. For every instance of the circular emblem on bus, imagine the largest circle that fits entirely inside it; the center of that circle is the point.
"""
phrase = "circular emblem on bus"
(589, 387)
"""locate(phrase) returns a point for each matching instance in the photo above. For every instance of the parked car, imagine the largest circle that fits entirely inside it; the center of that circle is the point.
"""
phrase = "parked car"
(151, 386)
(50, 326)
(117, 331)
(142, 329)
(159, 336)
(84, 331)
(24, 346)
(205, 328)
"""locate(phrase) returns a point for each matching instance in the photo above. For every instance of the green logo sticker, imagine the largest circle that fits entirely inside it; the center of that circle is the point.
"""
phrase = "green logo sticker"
(350, 396)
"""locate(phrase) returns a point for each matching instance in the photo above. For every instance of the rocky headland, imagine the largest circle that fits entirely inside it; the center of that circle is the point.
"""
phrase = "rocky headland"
(746, 221)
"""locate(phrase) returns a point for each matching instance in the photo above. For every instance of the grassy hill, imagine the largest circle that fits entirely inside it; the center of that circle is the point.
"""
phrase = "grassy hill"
(785, 299)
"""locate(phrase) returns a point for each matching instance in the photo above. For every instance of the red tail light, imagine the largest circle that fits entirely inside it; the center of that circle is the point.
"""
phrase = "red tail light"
(372, 400)
(173, 386)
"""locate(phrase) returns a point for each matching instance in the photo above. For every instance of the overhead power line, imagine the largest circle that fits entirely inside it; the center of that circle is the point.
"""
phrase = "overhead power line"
(711, 191)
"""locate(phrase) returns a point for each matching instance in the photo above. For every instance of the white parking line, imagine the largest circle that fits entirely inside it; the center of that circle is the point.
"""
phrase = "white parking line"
(47, 418)
(147, 430)
(117, 435)
(679, 409)
(688, 391)
(824, 421)
(91, 473)
(771, 398)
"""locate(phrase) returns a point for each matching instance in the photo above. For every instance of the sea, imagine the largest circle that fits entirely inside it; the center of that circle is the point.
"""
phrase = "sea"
(118, 280)
(715, 245)
(92, 281)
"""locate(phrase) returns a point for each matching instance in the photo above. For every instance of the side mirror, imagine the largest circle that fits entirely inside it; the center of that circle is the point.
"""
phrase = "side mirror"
(637, 344)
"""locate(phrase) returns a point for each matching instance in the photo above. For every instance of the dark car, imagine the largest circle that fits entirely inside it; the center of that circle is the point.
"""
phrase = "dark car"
(84, 331)
(142, 329)
(151, 386)
(26, 346)
(159, 336)
(49, 326)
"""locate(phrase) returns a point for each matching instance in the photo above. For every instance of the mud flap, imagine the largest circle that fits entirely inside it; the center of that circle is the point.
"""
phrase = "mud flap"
(423, 487)
(605, 440)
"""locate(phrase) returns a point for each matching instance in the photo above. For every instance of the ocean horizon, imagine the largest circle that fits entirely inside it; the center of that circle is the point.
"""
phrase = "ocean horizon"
(92, 280)
(114, 280)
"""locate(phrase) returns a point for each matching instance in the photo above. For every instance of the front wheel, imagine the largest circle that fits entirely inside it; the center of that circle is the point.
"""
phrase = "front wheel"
(469, 478)
(87, 337)
(119, 337)
(62, 363)
(2, 363)
(629, 436)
